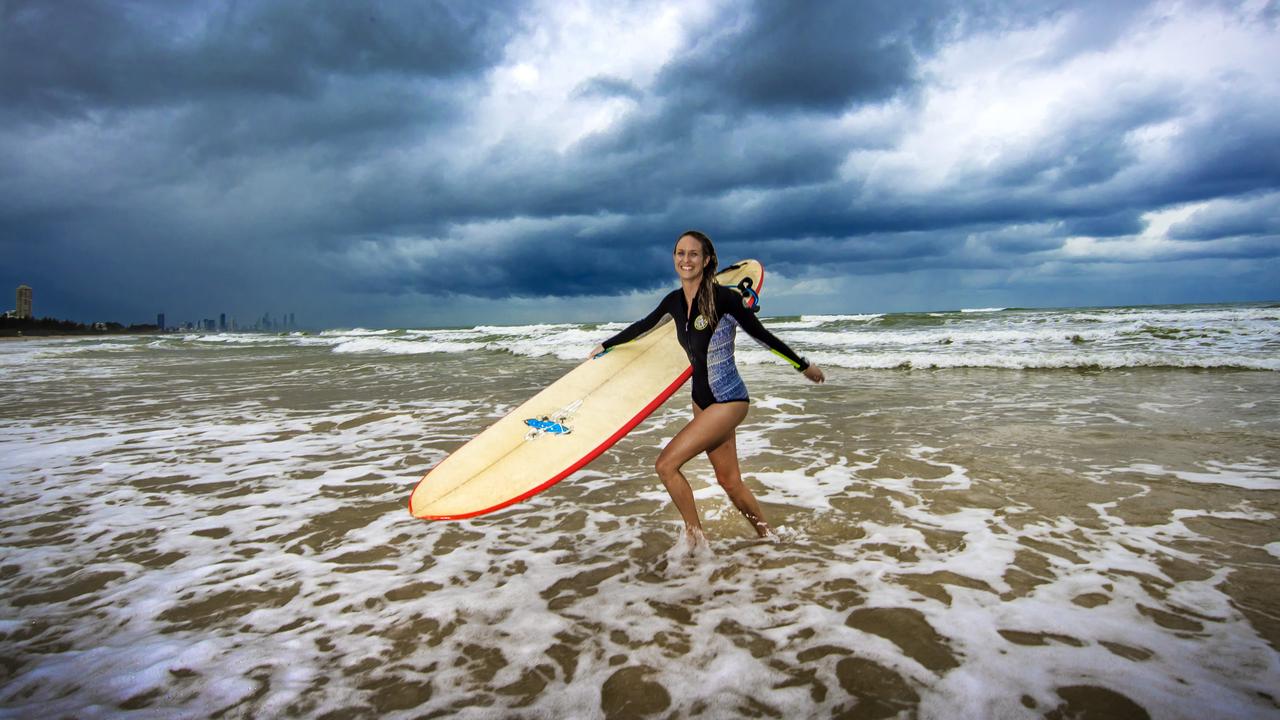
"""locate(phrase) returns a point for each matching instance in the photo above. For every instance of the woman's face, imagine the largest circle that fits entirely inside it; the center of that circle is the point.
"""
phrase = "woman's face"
(689, 258)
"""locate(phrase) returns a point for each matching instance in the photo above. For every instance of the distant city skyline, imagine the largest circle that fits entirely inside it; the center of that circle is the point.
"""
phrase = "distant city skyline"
(422, 165)
(228, 323)
(23, 309)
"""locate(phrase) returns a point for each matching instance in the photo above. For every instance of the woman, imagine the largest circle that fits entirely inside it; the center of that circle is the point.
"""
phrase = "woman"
(706, 316)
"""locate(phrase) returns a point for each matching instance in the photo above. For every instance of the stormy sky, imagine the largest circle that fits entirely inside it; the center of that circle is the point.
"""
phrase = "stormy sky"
(448, 163)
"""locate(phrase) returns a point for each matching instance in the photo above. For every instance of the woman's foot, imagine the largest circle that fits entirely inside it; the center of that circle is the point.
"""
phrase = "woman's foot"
(692, 544)
(694, 538)
(758, 523)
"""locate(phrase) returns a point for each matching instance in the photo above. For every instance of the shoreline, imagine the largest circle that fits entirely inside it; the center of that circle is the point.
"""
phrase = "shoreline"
(71, 335)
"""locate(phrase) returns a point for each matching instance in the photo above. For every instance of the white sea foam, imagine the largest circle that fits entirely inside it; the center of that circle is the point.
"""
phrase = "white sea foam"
(1255, 475)
(356, 332)
(447, 334)
(776, 325)
(404, 347)
(993, 337)
(234, 339)
(866, 317)
(1203, 315)
(565, 342)
(1029, 360)
(522, 330)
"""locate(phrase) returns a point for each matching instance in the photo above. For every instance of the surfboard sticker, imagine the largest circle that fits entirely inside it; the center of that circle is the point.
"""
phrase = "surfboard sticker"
(556, 424)
(598, 402)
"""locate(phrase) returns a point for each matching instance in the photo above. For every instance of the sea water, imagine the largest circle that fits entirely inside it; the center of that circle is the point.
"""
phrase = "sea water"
(992, 513)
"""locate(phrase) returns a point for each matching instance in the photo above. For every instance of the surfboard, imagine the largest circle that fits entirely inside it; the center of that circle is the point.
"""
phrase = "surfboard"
(566, 425)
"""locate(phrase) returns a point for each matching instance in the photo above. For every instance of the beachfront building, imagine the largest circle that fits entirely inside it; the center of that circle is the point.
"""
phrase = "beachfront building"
(23, 308)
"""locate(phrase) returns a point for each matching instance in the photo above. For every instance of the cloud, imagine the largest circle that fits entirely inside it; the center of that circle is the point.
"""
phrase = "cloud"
(404, 155)
(770, 56)
(608, 87)
(1116, 224)
(67, 60)
(1231, 217)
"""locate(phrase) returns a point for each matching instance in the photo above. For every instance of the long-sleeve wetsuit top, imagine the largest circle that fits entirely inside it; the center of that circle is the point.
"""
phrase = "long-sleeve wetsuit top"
(710, 348)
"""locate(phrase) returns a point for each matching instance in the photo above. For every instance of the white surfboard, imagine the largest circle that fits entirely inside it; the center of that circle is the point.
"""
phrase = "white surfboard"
(577, 417)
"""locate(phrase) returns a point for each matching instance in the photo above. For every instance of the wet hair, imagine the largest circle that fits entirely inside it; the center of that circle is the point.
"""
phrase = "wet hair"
(706, 291)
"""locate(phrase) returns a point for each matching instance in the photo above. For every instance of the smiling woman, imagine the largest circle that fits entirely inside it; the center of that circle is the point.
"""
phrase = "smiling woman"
(706, 317)
(565, 426)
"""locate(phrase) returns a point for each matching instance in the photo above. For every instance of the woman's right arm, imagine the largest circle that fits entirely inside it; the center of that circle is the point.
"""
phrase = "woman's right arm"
(635, 330)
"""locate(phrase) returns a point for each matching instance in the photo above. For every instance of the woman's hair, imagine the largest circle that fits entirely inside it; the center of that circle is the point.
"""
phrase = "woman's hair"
(706, 293)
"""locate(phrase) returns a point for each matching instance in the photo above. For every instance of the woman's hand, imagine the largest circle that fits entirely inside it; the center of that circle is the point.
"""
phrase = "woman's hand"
(814, 373)
(595, 351)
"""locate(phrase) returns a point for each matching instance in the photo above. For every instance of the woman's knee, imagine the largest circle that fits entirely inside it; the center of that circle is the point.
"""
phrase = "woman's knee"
(730, 480)
(666, 465)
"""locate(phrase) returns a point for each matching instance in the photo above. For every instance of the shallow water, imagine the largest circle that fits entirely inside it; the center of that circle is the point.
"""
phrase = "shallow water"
(201, 527)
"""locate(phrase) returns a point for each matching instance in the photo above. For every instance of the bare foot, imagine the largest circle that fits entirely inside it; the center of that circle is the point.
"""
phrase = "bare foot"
(758, 523)
(692, 544)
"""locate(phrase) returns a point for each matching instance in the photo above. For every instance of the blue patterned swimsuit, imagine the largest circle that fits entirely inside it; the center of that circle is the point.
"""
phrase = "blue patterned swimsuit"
(710, 348)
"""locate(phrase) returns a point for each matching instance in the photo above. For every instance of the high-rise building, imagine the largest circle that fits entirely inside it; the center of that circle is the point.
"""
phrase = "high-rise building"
(160, 321)
(222, 322)
(23, 307)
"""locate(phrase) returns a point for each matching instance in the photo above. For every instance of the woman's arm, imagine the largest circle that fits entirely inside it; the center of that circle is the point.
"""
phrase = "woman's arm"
(637, 329)
(732, 305)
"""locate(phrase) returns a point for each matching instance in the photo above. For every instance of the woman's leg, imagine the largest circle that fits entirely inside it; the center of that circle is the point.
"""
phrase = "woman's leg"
(724, 458)
(708, 429)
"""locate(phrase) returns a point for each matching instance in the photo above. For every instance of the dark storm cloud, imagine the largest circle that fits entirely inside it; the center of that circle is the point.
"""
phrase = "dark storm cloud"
(1257, 216)
(782, 61)
(1116, 224)
(70, 58)
(606, 86)
(822, 56)
(730, 111)
(216, 143)
(679, 158)
(295, 149)
(567, 254)
(1235, 151)
(729, 116)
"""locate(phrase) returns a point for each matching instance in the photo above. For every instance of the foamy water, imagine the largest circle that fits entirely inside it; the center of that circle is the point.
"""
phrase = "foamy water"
(212, 525)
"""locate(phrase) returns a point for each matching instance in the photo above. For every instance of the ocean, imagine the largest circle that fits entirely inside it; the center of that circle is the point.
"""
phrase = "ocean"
(989, 513)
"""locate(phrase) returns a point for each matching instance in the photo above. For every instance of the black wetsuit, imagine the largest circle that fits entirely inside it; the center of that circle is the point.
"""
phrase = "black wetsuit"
(710, 348)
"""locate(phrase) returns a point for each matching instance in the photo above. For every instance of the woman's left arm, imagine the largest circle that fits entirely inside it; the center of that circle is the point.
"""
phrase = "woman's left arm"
(749, 322)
